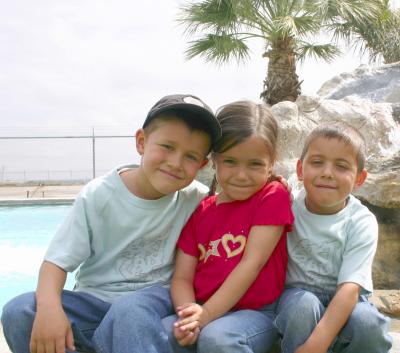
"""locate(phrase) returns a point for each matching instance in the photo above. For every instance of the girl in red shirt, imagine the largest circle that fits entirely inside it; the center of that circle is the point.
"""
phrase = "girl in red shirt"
(231, 258)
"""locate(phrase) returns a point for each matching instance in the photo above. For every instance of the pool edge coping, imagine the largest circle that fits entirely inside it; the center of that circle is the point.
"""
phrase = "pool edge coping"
(36, 201)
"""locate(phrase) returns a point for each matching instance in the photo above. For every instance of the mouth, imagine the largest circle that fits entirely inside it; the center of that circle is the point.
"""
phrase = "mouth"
(170, 175)
(329, 187)
(241, 186)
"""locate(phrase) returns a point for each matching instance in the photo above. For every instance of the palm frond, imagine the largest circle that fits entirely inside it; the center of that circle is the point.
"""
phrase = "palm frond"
(297, 25)
(213, 15)
(218, 48)
(328, 52)
(347, 10)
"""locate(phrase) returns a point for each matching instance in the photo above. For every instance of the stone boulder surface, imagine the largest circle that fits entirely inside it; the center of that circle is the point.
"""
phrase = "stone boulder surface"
(377, 84)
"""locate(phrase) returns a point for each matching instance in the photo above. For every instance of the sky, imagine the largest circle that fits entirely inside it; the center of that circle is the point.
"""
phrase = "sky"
(67, 66)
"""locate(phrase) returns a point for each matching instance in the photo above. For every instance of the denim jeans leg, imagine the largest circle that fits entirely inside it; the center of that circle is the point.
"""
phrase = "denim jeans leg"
(298, 312)
(85, 313)
(17, 319)
(243, 331)
(365, 331)
(83, 310)
(133, 323)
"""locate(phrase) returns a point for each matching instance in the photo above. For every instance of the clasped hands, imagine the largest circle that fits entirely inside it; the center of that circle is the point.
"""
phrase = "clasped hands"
(192, 317)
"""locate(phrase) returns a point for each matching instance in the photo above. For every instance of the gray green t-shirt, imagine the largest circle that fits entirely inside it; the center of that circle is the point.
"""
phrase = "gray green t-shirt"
(120, 242)
(328, 250)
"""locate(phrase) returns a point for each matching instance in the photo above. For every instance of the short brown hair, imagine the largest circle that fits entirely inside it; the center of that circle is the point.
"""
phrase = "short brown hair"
(343, 132)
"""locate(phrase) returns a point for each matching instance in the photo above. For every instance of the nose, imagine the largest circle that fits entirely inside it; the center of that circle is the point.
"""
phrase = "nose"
(241, 173)
(327, 170)
(175, 160)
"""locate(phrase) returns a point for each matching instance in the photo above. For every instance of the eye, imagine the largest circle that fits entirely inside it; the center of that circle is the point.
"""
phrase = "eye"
(256, 164)
(192, 157)
(229, 161)
(342, 166)
(316, 162)
(166, 146)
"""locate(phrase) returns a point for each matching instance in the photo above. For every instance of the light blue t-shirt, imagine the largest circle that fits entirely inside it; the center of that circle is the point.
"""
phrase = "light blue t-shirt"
(328, 250)
(121, 242)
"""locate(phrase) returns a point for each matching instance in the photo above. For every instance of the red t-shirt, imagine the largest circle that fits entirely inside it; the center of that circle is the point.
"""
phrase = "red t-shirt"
(217, 234)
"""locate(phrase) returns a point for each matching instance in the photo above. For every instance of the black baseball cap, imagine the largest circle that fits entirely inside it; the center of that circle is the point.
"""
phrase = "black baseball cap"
(187, 103)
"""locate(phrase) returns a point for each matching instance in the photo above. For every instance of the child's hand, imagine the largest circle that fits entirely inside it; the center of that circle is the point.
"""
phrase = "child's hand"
(186, 338)
(283, 181)
(285, 184)
(191, 315)
(51, 332)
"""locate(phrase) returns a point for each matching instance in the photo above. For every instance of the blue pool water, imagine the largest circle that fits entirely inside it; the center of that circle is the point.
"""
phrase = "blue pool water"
(25, 232)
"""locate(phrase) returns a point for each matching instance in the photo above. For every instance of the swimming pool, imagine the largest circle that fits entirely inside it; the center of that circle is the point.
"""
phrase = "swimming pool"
(25, 232)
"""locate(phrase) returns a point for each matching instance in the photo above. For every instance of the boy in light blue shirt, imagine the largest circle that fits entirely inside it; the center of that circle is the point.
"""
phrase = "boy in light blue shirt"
(121, 234)
(331, 250)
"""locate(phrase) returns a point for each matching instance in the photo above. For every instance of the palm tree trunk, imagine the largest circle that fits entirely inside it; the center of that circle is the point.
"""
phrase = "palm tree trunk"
(282, 82)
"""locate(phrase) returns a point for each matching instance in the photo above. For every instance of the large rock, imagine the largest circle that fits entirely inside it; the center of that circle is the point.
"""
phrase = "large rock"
(378, 84)
(368, 99)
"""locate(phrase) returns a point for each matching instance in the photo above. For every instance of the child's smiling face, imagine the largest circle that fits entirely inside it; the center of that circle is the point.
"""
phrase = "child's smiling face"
(329, 173)
(172, 154)
(243, 169)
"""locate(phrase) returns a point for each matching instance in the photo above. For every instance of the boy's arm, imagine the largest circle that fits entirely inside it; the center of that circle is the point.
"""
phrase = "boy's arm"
(260, 245)
(336, 315)
(51, 331)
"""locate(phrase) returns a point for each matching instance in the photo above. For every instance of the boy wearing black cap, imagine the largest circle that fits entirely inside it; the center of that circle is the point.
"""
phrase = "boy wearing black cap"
(121, 233)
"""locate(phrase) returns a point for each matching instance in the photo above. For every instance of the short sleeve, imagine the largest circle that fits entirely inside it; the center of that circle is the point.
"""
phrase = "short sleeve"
(274, 207)
(187, 241)
(70, 245)
(359, 252)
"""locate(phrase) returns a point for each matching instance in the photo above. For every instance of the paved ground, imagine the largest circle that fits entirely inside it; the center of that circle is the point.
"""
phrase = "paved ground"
(17, 194)
(11, 194)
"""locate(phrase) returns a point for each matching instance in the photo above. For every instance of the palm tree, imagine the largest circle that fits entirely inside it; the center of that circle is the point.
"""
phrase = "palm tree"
(379, 37)
(286, 27)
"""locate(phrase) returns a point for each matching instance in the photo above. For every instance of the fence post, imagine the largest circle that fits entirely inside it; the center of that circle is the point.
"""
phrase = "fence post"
(93, 154)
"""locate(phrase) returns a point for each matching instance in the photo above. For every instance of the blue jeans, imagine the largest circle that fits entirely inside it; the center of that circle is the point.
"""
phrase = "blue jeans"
(243, 331)
(299, 311)
(132, 323)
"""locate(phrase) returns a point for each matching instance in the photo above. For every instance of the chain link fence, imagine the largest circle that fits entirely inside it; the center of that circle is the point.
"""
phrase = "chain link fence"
(46, 157)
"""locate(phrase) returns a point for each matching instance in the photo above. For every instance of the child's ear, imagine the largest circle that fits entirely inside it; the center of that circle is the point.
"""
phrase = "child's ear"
(299, 170)
(361, 178)
(140, 141)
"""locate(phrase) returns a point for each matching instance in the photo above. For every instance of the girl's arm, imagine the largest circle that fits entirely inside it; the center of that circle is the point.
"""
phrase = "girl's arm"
(335, 317)
(182, 290)
(183, 297)
(260, 245)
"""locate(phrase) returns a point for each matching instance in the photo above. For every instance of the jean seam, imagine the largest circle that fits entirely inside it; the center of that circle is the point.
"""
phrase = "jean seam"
(248, 337)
